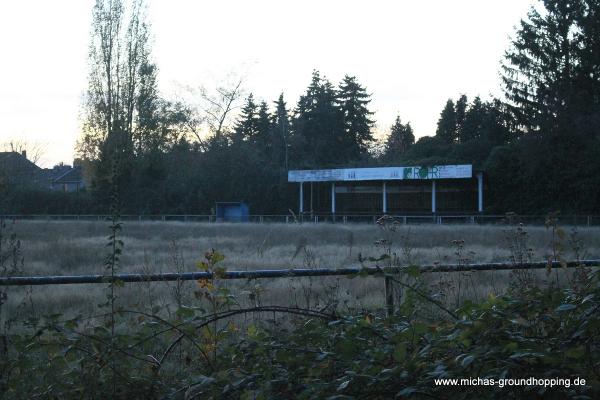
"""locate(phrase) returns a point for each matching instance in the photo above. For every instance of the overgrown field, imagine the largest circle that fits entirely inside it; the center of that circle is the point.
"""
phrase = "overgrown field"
(80, 248)
(307, 338)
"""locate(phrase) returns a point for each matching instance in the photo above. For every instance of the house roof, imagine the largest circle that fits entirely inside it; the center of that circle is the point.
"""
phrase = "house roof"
(73, 175)
(13, 163)
(15, 168)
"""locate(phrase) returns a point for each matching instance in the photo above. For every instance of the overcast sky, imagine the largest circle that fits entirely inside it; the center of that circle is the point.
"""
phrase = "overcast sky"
(411, 55)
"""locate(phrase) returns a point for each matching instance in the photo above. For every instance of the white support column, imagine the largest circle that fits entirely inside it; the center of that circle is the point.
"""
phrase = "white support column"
(301, 208)
(311, 200)
(384, 198)
(433, 196)
(480, 192)
(333, 197)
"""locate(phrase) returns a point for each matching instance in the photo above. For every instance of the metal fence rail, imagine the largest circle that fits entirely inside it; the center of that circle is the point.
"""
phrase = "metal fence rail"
(412, 219)
(275, 273)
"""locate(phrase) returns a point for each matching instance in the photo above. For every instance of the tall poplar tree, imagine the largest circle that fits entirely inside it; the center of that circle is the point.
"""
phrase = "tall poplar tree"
(118, 58)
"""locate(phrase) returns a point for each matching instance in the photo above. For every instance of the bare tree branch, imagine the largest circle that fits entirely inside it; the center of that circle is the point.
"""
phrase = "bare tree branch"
(34, 150)
(212, 111)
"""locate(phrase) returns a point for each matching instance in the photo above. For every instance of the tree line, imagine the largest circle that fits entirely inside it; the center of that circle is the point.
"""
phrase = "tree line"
(539, 145)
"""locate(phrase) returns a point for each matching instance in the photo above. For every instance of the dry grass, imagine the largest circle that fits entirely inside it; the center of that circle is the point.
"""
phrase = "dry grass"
(53, 247)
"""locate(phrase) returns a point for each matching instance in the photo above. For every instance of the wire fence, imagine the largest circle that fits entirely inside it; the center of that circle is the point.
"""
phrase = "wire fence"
(409, 219)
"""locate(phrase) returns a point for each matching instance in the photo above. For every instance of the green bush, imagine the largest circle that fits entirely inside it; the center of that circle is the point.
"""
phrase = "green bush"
(530, 332)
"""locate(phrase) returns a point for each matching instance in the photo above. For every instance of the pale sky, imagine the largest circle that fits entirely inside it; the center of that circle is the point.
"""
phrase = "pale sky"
(411, 55)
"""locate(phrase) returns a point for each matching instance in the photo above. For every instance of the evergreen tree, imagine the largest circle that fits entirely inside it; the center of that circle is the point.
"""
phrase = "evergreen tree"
(496, 125)
(552, 85)
(263, 130)
(446, 127)
(280, 131)
(540, 66)
(473, 121)
(586, 85)
(318, 137)
(461, 112)
(246, 126)
(400, 139)
(353, 101)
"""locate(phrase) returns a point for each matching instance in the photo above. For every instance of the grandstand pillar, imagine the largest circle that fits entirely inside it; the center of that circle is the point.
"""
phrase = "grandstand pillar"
(480, 192)
(433, 196)
(301, 207)
(384, 198)
(312, 210)
(333, 197)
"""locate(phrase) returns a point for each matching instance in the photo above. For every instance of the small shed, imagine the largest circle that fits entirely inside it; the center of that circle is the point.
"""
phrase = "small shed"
(232, 211)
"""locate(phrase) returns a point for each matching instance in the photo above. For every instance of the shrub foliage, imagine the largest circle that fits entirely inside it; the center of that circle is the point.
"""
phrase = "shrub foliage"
(208, 351)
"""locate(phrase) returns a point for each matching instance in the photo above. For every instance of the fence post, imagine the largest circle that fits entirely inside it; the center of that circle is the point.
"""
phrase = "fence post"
(389, 296)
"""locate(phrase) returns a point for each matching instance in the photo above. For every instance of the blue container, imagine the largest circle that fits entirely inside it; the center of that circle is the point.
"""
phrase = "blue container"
(232, 211)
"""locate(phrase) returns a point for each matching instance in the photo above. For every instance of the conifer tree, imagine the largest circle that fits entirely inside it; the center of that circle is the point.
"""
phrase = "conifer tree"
(400, 139)
(446, 126)
(496, 126)
(473, 121)
(541, 65)
(461, 112)
(280, 132)
(263, 130)
(353, 101)
(318, 133)
(246, 126)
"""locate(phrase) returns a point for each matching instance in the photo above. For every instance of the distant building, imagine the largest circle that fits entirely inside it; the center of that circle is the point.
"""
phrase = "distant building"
(70, 180)
(16, 171)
